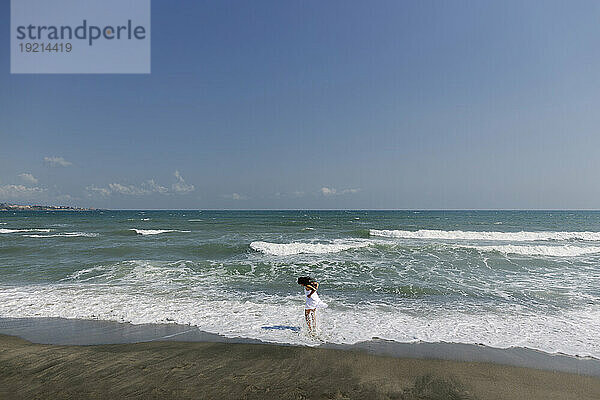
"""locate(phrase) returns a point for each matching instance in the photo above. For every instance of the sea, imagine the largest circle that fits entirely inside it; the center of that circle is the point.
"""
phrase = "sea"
(499, 278)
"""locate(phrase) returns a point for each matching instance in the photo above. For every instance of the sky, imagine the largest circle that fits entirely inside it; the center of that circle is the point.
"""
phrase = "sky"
(320, 105)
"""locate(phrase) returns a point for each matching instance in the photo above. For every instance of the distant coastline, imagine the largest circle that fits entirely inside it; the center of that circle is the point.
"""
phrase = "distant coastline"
(37, 207)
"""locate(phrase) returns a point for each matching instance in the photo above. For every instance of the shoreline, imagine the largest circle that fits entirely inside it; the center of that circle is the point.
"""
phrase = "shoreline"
(81, 332)
(212, 370)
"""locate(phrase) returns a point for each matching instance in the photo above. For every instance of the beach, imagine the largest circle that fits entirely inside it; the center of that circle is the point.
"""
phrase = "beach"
(182, 362)
(201, 370)
(204, 304)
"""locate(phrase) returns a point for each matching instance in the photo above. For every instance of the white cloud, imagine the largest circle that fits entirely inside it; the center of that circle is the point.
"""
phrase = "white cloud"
(19, 191)
(128, 190)
(28, 178)
(235, 196)
(180, 186)
(99, 190)
(354, 190)
(295, 193)
(57, 161)
(123, 189)
(146, 188)
(326, 191)
(154, 187)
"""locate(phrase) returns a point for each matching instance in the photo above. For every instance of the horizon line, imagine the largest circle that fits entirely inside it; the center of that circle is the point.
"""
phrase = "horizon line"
(334, 209)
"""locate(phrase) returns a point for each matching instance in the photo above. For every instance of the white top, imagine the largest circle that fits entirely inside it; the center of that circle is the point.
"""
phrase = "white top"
(313, 301)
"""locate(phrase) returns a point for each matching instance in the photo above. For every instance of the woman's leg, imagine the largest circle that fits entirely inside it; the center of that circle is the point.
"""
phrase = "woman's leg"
(309, 315)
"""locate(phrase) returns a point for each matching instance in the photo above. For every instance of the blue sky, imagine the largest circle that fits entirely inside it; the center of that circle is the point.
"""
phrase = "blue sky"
(312, 104)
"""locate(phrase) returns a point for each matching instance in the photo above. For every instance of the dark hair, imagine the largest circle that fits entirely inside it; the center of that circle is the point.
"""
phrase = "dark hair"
(305, 280)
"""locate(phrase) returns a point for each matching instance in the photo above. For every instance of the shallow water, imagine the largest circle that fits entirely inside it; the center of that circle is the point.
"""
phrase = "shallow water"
(500, 278)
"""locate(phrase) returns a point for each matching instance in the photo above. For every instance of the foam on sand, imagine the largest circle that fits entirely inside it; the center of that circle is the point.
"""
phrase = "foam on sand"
(489, 236)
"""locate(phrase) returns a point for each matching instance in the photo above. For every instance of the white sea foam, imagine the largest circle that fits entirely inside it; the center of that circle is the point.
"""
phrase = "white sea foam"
(155, 231)
(489, 236)
(23, 230)
(288, 249)
(572, 332)
(140, 291)
(550, 251)
(66, 234)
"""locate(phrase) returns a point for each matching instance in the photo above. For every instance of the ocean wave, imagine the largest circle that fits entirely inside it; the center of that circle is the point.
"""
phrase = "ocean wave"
(212, 250)
(569, 332)
(142, 273)
(112, 251)
(522, 236)
(288, 249)
(550, 251)
(360, 233)
(16, 249)
(66, 234)
(23, 230)
(155, 231)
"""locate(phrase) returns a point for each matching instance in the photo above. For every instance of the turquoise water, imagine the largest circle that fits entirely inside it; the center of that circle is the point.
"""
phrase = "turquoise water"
(501, 278)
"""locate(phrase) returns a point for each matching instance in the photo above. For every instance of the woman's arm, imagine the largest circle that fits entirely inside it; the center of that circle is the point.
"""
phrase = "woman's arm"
(312, 287)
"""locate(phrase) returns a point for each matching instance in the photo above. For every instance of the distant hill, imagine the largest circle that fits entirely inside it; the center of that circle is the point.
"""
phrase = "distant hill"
(36, 207)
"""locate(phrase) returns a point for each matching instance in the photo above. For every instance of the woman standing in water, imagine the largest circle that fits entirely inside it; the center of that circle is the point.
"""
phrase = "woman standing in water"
(312, 302)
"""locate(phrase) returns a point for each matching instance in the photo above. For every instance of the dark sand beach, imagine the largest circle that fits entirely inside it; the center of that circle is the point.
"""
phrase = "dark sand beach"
(233, 370)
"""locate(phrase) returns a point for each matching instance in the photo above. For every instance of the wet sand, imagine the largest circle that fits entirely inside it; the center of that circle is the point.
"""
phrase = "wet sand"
(73, 359)
(87, 332)
(213, 370)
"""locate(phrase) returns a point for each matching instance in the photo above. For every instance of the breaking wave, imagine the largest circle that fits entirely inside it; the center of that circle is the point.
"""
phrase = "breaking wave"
(66, 234)
(155, 231)
(288, 249)
(23, 230)
(490, 236)
(550, 251)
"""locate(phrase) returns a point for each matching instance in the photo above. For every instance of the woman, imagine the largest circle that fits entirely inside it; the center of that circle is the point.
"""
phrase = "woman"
(312, 302)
